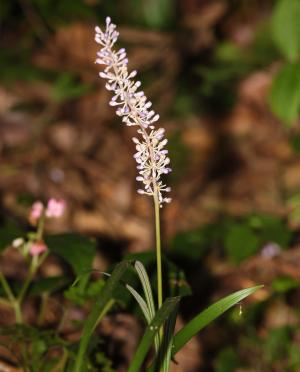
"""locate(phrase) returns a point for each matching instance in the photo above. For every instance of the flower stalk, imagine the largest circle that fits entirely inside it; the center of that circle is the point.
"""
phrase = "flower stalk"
(158, 252)
(135, 110)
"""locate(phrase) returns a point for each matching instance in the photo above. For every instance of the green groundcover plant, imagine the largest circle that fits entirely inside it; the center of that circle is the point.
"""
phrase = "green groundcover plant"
(159, 344)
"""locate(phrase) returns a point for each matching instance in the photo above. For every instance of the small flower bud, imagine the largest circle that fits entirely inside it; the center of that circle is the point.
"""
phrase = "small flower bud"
(36, 212)
(37, 248)
(16, 243)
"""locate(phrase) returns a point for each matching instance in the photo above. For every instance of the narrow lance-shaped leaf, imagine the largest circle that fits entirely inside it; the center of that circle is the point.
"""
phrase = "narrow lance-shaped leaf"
(163, 359)
(141, 302)
(161, 316)
(144, 278)
(168, 339)
(99, 307)
(208, 315)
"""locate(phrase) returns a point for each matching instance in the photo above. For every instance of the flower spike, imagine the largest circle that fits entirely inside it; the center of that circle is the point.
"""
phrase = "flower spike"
(134, 108)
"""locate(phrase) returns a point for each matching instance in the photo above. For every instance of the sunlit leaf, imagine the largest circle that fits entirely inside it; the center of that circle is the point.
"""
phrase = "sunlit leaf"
(286, 28)
(207, 316)
(285, 93)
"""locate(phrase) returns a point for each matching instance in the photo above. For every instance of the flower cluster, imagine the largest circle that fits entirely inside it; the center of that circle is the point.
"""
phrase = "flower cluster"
(55, 208)
(134, 108)
(35, 246)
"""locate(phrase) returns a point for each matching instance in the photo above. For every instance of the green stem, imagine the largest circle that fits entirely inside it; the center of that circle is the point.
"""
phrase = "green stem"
(17, 307)
(158, 259)
(28, 279)
(105, 310)
(158, 252)
(6, 288)
(44, 300)
(12, 299)
(41, 225)
(60, 367)
(81, 353)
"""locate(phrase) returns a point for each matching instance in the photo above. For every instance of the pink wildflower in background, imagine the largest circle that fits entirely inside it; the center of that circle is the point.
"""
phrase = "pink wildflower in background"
(36, 211)
(55, 208)
(37, 248)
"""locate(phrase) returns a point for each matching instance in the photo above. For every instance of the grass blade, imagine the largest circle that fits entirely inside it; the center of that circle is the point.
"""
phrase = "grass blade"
(168, 339)
(161, 316)
(208, 315)
(144, 278)
(142, 273)
(141, 302)
(98, 310)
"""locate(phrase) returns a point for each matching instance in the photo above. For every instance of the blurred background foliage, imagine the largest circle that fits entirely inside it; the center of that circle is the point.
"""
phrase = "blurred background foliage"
(225, 75)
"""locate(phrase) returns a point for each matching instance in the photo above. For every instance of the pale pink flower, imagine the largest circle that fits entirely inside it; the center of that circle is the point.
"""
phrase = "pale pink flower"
(36, 211)
(37, 248)
(55, 208)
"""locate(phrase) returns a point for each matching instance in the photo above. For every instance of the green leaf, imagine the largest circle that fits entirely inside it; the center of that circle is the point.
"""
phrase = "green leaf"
(100, 307)
(284, 97)
(227, 360)
(191, 245)
(142, 273)
(286, 28)
(273, 229)
(77, 250)
(276, 346)
(240, 242)
(141, 302)
(66, 88)
(284, 284)
(178, 285)
(161, 316)
(157, 13)
(295, 143)
(8, 233)
(144, 278)
(208, 315)
(48, 285)
(168, 339)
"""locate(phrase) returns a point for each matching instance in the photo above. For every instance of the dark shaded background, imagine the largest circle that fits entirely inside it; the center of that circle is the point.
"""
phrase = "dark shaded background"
(209, 67)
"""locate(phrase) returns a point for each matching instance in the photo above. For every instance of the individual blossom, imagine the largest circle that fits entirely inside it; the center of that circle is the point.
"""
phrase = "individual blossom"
(270, 250)
(37, 248)
(18, 242)
(132, 105)
(36, 212)
(55, 208)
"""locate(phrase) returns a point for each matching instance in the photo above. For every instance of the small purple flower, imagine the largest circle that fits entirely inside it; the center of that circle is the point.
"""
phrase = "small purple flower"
(270, 250)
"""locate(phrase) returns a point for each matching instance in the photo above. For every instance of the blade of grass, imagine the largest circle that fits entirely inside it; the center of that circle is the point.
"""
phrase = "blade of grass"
(142, 273)
(161, 316)
(208, 315)
(98, 310)
(141, 302)
(168, 339)
(144, 278)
